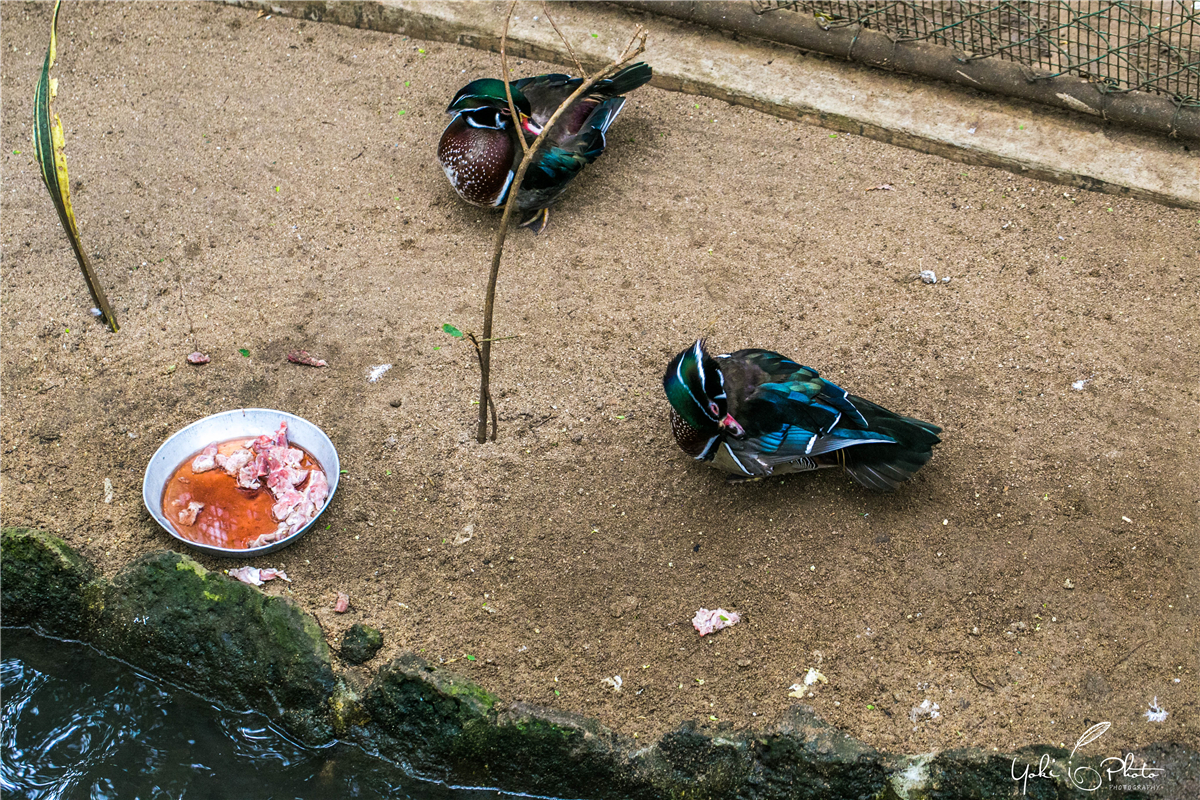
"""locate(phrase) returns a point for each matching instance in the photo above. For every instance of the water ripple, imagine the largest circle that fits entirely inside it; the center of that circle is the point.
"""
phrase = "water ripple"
(77, 724)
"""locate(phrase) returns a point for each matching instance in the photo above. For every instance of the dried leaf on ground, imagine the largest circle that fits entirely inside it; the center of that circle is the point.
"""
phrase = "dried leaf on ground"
(303, 357)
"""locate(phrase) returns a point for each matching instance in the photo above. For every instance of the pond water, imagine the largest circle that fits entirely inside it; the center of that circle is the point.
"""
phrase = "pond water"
(77, 724)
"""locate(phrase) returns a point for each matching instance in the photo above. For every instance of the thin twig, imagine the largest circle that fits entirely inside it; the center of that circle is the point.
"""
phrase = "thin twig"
(512, 107)
(491, 404)
(638, 32)
(546, 10)
(987, 686)
(1131, 652)
(485, 356)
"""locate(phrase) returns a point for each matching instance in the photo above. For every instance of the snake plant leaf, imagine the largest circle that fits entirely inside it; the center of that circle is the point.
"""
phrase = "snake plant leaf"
(49, 144)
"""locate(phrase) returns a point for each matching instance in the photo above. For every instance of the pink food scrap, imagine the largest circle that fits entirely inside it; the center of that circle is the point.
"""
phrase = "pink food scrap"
(188, 515)
(233, 463)
(303, 357)
(343, 603)
(248, 475)
(264, 539)
(206, 460)
(299, 493)
(198, 358)
(256, 577)
(707, 621)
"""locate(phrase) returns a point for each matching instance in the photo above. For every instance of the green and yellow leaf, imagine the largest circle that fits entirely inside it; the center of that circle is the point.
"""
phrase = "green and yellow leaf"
(49, 144)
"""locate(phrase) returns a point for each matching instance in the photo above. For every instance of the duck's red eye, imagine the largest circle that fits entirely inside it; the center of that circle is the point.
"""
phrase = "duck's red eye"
(714, 408)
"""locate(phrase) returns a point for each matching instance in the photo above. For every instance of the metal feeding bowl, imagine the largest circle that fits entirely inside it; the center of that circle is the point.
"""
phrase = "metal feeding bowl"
(247, 422)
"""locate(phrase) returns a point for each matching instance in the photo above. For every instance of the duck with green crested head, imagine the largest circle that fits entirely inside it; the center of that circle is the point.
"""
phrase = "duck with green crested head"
(755, 413)
(480, 151)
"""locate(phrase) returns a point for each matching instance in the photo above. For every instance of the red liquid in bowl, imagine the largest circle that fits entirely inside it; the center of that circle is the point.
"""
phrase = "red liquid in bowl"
(232, 517)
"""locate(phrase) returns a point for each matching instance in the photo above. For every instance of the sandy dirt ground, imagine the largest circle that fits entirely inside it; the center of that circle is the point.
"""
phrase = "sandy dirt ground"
(268, 184)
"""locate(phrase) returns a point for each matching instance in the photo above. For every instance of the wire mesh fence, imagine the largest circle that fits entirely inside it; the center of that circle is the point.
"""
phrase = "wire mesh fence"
(1120, 46)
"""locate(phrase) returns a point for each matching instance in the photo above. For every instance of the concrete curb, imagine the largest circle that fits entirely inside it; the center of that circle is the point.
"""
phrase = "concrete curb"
(1145, 111)
(923, 115)
(167, 615)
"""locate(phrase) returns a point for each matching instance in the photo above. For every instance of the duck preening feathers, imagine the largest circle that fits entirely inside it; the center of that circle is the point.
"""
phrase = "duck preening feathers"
(755, 413)
(480, 152)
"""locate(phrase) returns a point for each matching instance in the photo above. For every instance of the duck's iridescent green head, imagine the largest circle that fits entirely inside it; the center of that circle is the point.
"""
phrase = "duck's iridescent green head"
(696, 389)
(484, 100)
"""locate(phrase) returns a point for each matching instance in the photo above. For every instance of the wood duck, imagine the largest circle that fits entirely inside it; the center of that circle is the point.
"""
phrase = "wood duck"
(480, 152)
(755, 413)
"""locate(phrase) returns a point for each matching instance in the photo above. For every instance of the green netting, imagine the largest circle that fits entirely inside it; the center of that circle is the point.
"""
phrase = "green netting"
(1122, 46)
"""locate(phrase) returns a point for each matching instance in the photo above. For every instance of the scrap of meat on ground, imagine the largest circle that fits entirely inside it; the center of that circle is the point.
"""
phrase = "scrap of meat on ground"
(303, 357)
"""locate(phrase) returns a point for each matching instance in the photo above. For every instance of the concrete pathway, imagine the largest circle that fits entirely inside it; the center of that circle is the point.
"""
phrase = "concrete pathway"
(928, 116)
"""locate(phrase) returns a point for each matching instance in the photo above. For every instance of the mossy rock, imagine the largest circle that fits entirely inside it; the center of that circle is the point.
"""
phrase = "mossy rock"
(43, 582)
(805, 757)
(689, 762)
(221, 638)
(420, 710)
(360, 643)
(546, 751)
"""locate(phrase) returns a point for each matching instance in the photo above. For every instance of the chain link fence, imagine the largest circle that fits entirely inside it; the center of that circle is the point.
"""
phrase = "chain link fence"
(1120, 46)
(1127, 62)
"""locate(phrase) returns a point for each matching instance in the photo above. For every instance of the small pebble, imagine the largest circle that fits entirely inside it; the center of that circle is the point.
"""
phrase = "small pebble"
(197, 358)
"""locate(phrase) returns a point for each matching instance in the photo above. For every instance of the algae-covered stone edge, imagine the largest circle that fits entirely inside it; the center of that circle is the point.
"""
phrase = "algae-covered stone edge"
(437, 723)
(43, 582)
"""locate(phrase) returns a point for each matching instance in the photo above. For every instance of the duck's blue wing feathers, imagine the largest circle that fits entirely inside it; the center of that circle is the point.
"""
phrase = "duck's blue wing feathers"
(791, 394)
(555, 165)
(794, 419)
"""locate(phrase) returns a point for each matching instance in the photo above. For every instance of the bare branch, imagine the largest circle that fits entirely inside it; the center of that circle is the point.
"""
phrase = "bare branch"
(639, 36)
(487, 392)
(512, 108)
(636, 46)
(546, 10)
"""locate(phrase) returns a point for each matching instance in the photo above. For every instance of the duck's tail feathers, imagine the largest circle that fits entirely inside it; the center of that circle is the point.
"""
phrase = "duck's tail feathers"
(884, 467)
(627, 79)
